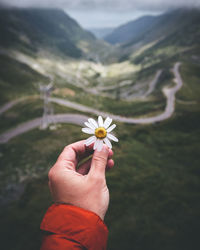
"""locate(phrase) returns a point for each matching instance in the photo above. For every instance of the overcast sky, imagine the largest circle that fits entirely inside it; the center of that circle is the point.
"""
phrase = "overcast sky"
(106, 13)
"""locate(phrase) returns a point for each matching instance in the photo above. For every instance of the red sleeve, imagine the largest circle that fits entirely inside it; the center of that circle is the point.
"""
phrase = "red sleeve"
(70, 227)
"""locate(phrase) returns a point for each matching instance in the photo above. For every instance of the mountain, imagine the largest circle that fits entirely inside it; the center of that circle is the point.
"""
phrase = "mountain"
(155, 39)
(181, 22)
(175, 36)
(182, 26)
(49, 29)
(127, 31)
(17, 79)
(101, 32)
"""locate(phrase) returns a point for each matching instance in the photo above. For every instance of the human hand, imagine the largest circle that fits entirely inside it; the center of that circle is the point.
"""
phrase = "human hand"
(84, 187)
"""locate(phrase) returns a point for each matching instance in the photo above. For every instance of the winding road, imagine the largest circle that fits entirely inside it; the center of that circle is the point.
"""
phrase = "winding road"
(79, 119)
(26, 126)
(169, 109)
(152, 84)
(137, 89)
(9, 105)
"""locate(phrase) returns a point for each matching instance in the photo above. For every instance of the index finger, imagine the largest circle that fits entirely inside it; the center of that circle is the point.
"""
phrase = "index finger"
(73, 153)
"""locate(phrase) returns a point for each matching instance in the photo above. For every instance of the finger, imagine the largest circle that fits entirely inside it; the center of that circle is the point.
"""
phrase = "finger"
(99, 162)
(111, 153)
(89, 152)
(110, 164)
(71, 154)
(85, 167)
(82, 162)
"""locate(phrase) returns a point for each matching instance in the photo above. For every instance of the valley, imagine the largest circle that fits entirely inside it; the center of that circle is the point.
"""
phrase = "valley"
(74, 119)
(147, 81)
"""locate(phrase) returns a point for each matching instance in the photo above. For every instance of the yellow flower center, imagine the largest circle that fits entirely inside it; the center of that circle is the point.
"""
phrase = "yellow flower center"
(100, 133)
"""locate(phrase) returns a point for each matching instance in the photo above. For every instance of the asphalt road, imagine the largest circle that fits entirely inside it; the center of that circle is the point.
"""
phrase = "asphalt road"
(27, 126)
(169, 109)
(79, 119)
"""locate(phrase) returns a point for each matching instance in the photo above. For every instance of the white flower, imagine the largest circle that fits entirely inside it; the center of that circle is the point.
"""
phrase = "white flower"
(100, 131)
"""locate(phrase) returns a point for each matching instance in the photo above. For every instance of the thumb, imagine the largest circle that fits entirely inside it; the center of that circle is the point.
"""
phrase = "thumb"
(99, 162)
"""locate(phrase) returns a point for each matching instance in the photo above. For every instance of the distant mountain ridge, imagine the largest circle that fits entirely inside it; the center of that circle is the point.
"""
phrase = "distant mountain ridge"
(182, 26)
(49, 29)
(126, 31)
(150, 28)
(158, 38)
(101, 32)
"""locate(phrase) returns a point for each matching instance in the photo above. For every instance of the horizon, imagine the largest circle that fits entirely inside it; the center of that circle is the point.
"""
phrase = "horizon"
(101, 20)
(96, 14)
(110, 20)
(85, 18)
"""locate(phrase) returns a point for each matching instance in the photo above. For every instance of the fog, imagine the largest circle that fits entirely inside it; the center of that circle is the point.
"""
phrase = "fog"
(105, 13)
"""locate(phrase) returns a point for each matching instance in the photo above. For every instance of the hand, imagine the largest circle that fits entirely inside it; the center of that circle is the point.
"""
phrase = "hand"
(85, 186)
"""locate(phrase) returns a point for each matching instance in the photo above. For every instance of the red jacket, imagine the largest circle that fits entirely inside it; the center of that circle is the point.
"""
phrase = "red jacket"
(70, 227)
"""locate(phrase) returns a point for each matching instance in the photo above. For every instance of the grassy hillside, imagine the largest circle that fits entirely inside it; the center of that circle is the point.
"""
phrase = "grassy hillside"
(132, 29)
(191, 89)
(158, 184)
(165, 35)
(17, 79)
(154, 185)
(48, 29)
(183, 22)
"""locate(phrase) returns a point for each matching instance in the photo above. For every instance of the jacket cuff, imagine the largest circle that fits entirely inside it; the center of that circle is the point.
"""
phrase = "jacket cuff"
(76, 224)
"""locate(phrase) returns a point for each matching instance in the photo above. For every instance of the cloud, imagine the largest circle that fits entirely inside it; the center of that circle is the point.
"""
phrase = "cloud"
(106, 5)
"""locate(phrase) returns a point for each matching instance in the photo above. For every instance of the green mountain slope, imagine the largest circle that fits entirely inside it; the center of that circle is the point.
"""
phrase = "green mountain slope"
(181, 22)
(181, 26)
(130, 30)
(48, 29)
(168, 37)
(177, 38)
(17, 79)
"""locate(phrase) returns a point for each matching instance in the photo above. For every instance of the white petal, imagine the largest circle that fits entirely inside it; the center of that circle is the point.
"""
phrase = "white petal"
(96, 144)
(90, 140)
(111, 128)
(107, 142)
(107, 122)
(88, 131)
(93, 122)
(100, 121)
(112, 137)
(89, 125)
(100, 145)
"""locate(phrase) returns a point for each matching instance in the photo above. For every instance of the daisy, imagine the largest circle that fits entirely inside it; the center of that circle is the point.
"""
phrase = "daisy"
(100, 131)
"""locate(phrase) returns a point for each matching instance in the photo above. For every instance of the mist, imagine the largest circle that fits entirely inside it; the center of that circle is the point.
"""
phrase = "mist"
(105, 5)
